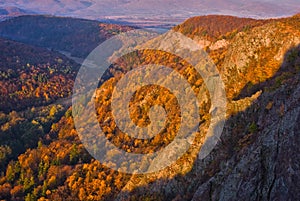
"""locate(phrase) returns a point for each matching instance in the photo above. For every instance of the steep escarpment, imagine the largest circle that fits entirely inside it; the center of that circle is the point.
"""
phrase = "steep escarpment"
(257, 155)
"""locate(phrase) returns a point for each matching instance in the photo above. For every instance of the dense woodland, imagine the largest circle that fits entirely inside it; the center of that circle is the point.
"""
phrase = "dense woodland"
(31, 76)
(41, 156)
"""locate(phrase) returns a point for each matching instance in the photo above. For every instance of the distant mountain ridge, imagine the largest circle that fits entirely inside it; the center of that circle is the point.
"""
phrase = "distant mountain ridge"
(172, 11)
(12, 11)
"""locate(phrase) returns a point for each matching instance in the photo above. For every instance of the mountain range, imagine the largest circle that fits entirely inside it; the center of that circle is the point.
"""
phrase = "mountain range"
(153, 12)
(12, 11)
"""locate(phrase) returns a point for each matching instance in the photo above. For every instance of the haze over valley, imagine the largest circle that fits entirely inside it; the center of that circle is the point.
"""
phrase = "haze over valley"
(151, 12)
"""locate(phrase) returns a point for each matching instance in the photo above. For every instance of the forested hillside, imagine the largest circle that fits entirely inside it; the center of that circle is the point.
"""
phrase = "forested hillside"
(257, 157)
(32, 80)
(75, 36)
(32, 76)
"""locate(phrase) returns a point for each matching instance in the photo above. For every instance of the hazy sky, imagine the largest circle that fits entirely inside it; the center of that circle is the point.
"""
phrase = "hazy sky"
(96, 9)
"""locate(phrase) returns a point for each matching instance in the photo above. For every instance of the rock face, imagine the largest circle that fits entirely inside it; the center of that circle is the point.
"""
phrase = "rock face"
(266, 167)
(255, 56)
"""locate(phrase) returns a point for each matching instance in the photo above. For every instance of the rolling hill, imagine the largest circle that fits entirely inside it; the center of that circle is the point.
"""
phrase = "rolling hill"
(75, 36)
